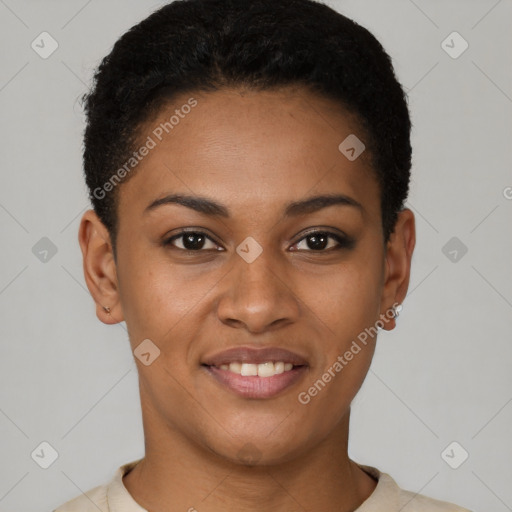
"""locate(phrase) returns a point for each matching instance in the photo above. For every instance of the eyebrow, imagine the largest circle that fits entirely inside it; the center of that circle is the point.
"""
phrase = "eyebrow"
(296, 208)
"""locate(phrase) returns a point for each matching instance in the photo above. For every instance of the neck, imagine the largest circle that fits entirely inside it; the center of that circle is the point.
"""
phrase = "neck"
(178, 474)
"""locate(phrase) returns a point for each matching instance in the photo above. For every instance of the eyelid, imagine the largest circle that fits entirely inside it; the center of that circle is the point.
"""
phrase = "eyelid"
(199, 231)
(323, 229)
(341, 238)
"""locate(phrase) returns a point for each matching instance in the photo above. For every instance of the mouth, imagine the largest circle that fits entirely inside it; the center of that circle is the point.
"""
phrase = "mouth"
(256, 373)
(263, 370)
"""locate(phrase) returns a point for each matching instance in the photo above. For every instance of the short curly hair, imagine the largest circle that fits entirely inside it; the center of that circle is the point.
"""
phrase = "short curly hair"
(207, 45)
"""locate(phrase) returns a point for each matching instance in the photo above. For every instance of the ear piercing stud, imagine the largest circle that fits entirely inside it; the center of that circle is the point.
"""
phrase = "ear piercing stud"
(106, 309)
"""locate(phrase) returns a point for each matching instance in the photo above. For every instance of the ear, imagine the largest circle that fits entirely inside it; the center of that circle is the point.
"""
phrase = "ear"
(399, 251)
(100, 268)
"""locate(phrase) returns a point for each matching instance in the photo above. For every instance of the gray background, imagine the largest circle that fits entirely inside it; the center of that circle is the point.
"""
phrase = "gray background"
(443, 375)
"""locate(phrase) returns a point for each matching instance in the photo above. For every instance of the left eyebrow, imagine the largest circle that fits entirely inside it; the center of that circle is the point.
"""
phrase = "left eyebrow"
(315, 203)
(212, 208)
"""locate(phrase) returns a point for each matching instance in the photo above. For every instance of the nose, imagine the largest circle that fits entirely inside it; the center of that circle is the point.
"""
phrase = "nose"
(258, 296)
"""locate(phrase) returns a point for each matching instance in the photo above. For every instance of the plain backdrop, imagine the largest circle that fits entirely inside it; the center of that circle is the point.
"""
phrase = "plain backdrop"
(442, 376)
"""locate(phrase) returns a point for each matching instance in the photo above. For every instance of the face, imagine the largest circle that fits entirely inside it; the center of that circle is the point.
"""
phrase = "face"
(255, 262)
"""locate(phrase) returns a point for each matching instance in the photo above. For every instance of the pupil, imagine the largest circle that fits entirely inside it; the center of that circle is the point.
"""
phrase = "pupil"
(193, 241)
(317, 242)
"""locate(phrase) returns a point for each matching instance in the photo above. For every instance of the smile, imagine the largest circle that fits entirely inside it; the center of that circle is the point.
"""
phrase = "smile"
(257, 381)
(267, 369)
(252, 372)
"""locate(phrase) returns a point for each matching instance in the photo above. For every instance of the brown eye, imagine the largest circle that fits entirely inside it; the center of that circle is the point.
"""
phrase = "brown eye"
(191, 241)
(322, 241)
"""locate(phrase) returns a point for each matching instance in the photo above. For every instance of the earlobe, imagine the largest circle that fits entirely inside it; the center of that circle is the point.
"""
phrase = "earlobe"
(399, 252)
(100, 268)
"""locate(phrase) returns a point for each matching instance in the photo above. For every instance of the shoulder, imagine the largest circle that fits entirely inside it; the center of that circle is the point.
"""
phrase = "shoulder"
(412, 502)
(110, 497)
(92, 501)
(388, 496)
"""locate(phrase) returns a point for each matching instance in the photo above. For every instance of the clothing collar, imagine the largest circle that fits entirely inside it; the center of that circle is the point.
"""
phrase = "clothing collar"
(118, 497)
(384, 497)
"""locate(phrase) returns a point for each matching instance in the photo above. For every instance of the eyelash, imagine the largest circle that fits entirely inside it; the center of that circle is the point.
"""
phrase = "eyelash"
(343, 242)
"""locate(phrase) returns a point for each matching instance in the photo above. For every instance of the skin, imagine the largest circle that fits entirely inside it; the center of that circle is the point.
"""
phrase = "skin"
(254, 152)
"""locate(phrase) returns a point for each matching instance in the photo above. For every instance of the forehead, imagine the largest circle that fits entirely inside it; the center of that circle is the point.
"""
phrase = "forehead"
(250, 149)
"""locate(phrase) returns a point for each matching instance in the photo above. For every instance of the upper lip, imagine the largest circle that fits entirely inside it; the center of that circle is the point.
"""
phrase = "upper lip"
(254, 356)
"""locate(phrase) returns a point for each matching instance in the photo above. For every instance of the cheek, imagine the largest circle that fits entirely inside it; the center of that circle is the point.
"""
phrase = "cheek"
(345, 307)
(155, 294)
(345, 301)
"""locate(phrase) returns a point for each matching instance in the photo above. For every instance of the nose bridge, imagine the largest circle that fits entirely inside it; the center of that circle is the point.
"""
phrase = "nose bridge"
(257, 295)
(258, 276)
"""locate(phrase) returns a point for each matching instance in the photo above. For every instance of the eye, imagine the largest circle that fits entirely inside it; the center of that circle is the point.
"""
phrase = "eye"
(322, 241)
(191, 241)
(314, 241)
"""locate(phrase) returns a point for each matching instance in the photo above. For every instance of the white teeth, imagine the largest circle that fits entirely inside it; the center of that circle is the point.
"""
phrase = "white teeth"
(249, 369)
(267, 369)
(235, 368)
(279, 367)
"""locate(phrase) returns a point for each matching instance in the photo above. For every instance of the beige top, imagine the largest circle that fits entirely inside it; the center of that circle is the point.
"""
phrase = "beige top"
(387, 497)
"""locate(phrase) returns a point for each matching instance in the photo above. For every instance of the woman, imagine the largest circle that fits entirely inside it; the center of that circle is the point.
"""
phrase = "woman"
(248, 164)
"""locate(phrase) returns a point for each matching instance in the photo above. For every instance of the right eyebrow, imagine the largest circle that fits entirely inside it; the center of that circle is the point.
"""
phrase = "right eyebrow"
(199, 204)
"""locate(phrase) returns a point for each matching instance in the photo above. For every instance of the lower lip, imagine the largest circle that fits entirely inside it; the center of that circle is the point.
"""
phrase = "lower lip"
(257, 387)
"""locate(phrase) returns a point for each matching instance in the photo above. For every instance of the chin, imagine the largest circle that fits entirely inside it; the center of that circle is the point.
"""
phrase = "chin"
(257, 448)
